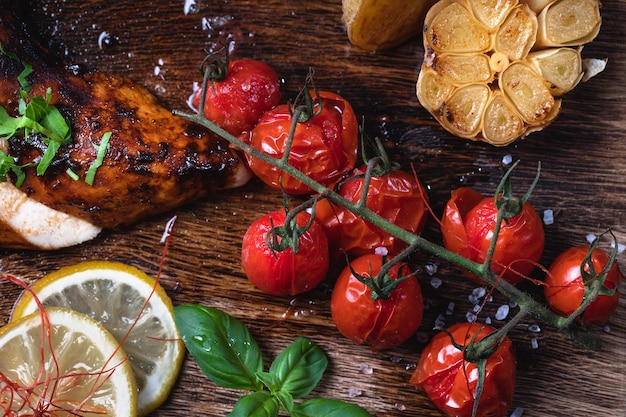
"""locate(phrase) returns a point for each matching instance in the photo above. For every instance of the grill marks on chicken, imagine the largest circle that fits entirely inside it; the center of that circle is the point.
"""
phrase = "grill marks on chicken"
(156, 161)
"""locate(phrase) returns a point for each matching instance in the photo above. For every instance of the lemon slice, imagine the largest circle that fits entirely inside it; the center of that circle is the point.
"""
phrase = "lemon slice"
(87, 374)
(114, 294)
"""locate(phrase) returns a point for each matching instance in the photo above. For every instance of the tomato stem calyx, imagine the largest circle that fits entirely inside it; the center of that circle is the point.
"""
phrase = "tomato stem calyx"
(504, 200)
(214, 66)
(382, 285)
(279, 238)
(304, 107)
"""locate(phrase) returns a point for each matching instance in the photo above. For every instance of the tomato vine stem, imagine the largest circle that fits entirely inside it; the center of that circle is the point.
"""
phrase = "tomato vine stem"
(526, 303)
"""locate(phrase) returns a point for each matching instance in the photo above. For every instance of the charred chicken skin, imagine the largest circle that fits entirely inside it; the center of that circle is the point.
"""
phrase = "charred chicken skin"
(156, 161)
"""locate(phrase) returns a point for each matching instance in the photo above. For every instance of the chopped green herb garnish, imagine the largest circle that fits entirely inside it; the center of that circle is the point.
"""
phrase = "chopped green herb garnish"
(72, 174)
(36, 116)
(102, 150)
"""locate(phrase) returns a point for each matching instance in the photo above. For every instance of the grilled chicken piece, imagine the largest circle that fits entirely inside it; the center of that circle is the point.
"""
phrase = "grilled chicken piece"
(156, 161)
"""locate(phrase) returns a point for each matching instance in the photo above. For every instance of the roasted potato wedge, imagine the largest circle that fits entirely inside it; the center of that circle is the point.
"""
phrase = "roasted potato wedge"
(376, 25)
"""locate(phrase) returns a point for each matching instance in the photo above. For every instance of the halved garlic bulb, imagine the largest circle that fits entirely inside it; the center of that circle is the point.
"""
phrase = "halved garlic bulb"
(493, 70)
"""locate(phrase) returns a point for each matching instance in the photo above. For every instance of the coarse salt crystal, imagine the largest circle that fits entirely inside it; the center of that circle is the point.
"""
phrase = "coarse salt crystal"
(400, 407)
(476, 295)
(381, 251)
(607, 329)
(503, 312)
(620, 247)
(488, 320)
(354, 392)
(450, 308)
(534, 328)
(366, 369)
(431, 268)
(435, 282)
(479, 292)
(548, 217)
(507, 159)
(190, 7)
(470, 317)
(517, 412)
(591, 237)
(440, 321)
(102, 37)
(534, 343)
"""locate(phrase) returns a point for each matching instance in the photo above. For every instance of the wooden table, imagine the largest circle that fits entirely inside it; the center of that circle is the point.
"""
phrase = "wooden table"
(582, 156)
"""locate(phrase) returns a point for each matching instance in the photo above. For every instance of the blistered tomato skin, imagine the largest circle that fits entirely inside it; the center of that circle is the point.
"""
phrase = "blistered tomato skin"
(565, 289)
(324, 147)
(520, 242)
(452, 224)
(237, 102)
(285, 273)
(382, 324)
(450, 381)
(397, 197)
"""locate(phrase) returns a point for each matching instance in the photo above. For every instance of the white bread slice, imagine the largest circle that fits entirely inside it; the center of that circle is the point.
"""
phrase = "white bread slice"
(27, 224)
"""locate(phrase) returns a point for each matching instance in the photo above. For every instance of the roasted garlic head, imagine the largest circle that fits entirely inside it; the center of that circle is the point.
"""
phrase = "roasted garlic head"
(494, 70)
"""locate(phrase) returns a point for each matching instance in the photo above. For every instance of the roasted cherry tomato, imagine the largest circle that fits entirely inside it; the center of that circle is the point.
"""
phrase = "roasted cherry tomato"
(324, 147)
(286, 272)
(381, 323)
(396, 196)
(467, 228)
(565, 289)
(238, 96)
(450, 381)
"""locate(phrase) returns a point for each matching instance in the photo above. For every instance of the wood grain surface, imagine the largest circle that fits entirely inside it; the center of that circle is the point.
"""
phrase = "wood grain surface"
(582, 155)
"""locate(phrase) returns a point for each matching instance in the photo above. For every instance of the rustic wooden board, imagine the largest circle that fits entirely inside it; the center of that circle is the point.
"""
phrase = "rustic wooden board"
(583, 169)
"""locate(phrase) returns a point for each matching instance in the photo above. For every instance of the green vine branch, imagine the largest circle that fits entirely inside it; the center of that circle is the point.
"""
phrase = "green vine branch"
(506, 209)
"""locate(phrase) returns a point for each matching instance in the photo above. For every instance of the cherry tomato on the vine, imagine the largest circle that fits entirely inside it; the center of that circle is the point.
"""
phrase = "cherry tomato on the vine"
(324, 147)
(236, 99)
(381, 323)
(450, 381)
(565, 288)
(467, 227)
(285, 272)
(396, 196)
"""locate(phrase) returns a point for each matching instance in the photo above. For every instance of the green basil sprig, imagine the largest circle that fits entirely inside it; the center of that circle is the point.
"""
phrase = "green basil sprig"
(229, 356)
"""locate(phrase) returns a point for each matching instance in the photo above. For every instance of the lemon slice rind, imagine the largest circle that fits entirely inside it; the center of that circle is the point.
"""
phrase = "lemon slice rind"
(88, 374)
(114, 294)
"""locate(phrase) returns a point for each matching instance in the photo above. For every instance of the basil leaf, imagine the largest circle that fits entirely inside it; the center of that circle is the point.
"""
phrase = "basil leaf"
(221, 345)
(285, 400)
(322, 407)
(269, 380)
(257, 404)
(299, 367)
